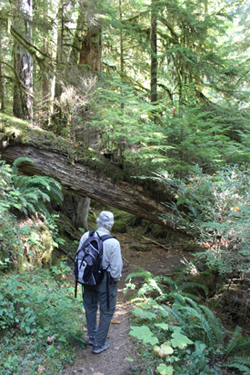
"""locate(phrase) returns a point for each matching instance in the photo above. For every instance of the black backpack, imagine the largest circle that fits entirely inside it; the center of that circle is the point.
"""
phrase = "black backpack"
(88, 261)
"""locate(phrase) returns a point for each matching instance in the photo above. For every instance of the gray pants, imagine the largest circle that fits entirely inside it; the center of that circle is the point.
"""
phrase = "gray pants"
(94, 296)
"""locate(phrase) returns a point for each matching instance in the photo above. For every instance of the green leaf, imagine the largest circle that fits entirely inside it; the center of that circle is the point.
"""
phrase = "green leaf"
(144, 314)
(144, 334)
(163, 326)
(165, 370)
(180, 341)
(167, 349)
(62, 338)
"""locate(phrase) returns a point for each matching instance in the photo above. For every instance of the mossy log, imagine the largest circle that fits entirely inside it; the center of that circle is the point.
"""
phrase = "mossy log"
(82, 171)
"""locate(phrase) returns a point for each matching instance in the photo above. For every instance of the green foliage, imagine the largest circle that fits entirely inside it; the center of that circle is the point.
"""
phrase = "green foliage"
(30, 193)
(195, 135)
(189, 337)
(43, 314)
(143, 334)
(32, 239)
(217, 212)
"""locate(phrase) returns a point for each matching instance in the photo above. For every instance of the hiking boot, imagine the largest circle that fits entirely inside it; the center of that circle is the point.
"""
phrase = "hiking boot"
(91, 340)
(100, 348)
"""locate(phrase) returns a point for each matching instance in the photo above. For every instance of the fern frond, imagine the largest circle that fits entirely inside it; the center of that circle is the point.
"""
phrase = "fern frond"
(240, 360)
(56, 194)
(215, 323)
(18, 161)
(175, 315)
(244, 370)
(172, 284)
(234, 341)
(32, 196)
(20, 182)
(150, 286)
(193, 285)
(178, 298)
(143, 274)
(238, 343)
(243, 345)
(42, 207)
(204, 324)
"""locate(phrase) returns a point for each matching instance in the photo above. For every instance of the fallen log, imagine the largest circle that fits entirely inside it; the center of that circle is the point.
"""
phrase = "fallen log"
(80, 171)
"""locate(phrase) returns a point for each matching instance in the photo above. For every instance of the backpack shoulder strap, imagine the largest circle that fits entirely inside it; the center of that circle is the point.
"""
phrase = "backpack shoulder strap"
(106, 237)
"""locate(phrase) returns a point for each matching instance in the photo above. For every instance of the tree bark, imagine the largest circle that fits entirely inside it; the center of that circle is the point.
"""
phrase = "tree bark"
(82, 180)
(23, 63)
(2, 83)
(91, 51)
(154, 63)
(76, 208)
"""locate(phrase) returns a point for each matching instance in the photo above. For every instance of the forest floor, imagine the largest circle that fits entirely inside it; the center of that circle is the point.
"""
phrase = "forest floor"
(122, 357)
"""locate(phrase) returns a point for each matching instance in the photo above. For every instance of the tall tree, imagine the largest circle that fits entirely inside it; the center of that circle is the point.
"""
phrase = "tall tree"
(2, 82)
(23, 63)
(153, 87)
(91, 51)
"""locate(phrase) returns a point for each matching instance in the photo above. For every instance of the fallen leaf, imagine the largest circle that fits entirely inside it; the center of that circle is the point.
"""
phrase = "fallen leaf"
(50, 339)
(115, 321)
(41, 369)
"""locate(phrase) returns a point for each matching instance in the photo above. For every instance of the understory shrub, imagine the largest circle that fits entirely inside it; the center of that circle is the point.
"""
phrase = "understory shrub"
(40, 313)
(216, 210)
(28, 232)
(182, 335)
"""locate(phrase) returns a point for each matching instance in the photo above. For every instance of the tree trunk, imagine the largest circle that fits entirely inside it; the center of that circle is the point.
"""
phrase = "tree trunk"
(153, 52)
(86, 174)
(2, 84)
(76, 208)
(80, 179)
(80, 218)
(23, 64)
(46, 94)
(76, 46)
(91, 57)
(121, 41)
(91, 51)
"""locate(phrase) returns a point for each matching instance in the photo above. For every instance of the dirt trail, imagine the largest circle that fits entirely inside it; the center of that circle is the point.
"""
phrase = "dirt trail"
(121, 357)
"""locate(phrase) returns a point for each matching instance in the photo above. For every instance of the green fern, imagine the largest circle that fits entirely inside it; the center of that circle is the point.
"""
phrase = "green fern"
(187, 285)
(193, 285)
(243, 346)
(172, 284)
(215, 323)
(209, 322)
(198, 320)
(204, 326)
(240, 360)
(30, 193)
(238, 344)
(234, 341)
(178, 298)
(244, 370)
(193, 303)
(175, 316)
(18, 161)
(143, 274)
(195, 320)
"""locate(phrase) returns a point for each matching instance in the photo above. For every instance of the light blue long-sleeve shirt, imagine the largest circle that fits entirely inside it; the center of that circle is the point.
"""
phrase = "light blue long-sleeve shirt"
(112, 258)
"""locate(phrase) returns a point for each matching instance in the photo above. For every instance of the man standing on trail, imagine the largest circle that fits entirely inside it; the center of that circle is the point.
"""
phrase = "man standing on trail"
(103, 295)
